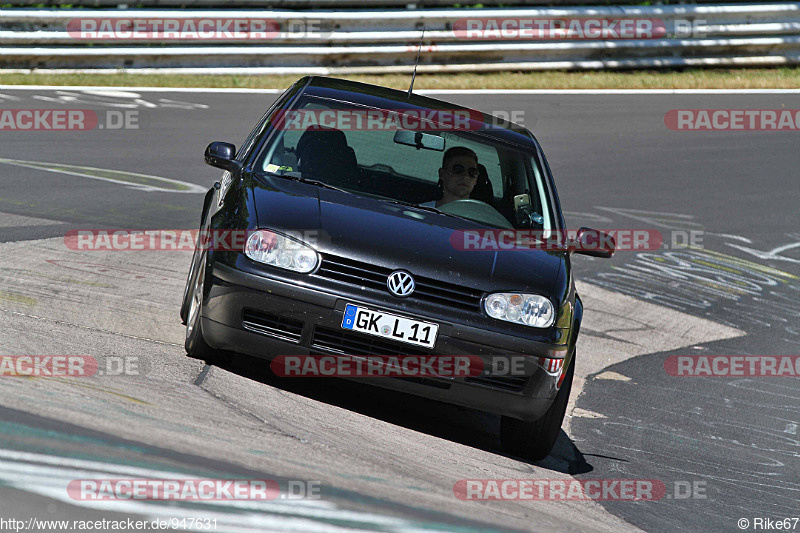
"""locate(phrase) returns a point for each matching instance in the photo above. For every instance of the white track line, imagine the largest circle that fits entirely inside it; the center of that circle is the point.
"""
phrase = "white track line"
(423, 91)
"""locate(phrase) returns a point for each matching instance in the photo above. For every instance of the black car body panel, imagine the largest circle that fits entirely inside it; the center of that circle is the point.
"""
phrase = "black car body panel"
(263, 311)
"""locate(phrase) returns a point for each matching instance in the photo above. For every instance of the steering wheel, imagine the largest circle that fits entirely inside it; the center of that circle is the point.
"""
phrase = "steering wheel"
(476, 210)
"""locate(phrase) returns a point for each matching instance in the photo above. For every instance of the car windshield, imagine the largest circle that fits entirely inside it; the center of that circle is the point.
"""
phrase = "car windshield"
(427, 163)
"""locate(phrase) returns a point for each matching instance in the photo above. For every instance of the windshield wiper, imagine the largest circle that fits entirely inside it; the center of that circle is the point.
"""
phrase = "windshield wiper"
(387, 201)
(409, 204)
(307, 180)
(425, 208)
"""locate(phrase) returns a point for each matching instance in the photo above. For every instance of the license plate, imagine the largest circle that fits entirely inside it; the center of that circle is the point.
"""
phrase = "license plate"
(390, 327)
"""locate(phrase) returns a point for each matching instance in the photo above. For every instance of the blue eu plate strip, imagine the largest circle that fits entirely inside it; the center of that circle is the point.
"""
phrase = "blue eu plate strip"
(349, 316)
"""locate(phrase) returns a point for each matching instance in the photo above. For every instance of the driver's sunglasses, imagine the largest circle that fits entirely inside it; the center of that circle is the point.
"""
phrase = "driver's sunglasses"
(460, 169)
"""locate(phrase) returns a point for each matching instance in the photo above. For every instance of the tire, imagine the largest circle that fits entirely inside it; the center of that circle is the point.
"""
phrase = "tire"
(187, 290)
(534, 440)
(196, 345)
(186, 303)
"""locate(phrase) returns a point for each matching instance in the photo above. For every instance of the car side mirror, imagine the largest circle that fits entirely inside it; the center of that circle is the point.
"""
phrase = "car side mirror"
(220, 155)
(593, 243)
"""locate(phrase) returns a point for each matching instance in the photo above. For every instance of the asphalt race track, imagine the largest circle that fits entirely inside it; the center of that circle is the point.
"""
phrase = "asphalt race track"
(725, 448)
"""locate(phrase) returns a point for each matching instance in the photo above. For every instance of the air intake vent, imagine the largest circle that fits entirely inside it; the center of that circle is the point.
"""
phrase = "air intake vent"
(272, 325)
(345, 342)
(515, 383)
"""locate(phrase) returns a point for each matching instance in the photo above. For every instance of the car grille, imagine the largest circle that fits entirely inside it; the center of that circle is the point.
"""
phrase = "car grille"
(345, 342)
(515, 383)
(360, 274)
(272, 325)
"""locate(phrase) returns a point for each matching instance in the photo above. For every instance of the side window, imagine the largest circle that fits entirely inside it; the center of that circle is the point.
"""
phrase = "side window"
(541, 192)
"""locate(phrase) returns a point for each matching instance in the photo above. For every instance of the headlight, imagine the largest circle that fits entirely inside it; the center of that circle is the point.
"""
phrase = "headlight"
(527, 309)
(277, 250)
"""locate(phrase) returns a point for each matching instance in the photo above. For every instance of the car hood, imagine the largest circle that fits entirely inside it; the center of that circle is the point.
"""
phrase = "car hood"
(398, 237)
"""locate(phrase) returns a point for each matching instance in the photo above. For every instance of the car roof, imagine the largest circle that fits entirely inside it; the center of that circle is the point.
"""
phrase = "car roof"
(386, 98)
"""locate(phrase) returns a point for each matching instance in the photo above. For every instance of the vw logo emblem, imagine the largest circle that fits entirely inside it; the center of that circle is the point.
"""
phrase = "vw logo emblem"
(400, 283)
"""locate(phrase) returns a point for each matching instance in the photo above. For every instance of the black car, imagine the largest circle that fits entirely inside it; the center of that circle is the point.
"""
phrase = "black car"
(345, 217)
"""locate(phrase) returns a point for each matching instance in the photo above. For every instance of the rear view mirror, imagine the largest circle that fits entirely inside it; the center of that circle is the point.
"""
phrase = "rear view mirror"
(220, 155)
(418, 140)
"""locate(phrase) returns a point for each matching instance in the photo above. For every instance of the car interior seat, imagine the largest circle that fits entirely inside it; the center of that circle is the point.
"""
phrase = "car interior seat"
(483, 190)
(324, 155)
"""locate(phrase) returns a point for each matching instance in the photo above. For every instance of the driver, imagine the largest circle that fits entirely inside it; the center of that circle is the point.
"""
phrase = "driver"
(457, 177)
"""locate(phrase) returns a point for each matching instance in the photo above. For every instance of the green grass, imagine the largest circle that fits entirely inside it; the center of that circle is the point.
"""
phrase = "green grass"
(769, 78)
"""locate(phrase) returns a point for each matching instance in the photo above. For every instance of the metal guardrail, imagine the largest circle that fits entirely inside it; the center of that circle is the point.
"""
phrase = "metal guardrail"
(365, 41)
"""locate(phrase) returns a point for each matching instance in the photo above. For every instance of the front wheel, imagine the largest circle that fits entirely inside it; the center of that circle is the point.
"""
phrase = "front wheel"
(195, 344)
(186, 302)
(534, 440)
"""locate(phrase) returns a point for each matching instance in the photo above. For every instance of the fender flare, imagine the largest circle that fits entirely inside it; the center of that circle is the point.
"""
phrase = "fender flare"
(576, 319)
(206, 206)
(576, 327)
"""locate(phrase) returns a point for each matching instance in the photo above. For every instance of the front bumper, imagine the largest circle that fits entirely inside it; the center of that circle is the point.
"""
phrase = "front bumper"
(264, 317)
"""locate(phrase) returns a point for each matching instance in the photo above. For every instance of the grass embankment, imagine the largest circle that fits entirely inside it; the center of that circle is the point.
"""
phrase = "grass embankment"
(771, 78)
